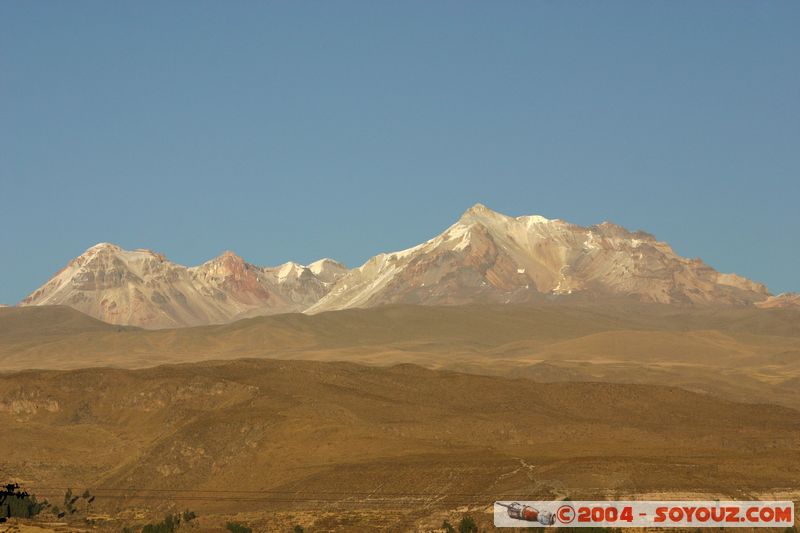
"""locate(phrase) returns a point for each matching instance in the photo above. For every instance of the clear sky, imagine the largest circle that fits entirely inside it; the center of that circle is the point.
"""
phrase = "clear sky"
(297, 130)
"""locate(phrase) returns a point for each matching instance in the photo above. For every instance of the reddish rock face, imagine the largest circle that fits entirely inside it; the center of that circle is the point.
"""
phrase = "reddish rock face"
(236, 279)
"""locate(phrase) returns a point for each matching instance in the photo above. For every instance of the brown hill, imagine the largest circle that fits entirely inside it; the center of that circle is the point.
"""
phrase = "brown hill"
(741, 353)
(377, 448)
(47, 321)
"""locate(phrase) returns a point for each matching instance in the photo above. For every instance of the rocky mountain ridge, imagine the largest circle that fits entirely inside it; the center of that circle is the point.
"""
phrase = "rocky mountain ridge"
(143, 288)
(484, 257)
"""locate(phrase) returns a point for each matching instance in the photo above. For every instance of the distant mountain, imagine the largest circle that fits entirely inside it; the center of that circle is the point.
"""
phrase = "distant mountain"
(787, 299)
(484, 257)
(488, 256)
(144, 288)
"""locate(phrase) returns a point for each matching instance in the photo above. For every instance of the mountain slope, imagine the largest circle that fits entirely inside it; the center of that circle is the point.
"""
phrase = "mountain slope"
(298, 435)
(785, 300)
(144, 288)
(488, 256)
(46, 323)
(741, 353)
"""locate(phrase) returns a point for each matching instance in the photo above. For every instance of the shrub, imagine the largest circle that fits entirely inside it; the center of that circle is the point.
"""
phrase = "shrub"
(235, 527)
(16, 502)
(168, 525)
(467, 525)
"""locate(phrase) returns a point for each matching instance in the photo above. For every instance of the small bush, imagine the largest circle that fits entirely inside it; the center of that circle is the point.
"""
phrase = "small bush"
(16, 502)
(467, 525)
(168, 525)
(235, 527)
(448, 527)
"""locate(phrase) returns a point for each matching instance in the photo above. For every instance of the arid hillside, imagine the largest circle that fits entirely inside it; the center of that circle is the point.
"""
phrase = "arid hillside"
(352, 447)
(743, 354)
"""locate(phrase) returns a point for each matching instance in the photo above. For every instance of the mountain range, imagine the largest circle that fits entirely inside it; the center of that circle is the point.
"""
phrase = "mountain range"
(485, 256)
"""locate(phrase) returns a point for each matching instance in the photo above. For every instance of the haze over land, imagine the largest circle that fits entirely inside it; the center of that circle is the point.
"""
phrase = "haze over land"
(741, 353)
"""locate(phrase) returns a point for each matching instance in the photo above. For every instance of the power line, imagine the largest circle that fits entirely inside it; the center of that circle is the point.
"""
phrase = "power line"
(288, 496)
(343, 498)
(272, 491)
(277, 496)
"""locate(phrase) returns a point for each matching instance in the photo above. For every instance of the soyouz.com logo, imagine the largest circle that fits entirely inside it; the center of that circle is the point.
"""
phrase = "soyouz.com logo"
(644, 514)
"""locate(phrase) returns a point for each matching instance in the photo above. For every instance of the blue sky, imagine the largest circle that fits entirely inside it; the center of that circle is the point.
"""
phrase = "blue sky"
(297, 130)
